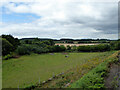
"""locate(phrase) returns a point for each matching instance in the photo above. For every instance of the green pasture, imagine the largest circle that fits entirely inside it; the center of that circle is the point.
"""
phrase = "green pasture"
(29, 69)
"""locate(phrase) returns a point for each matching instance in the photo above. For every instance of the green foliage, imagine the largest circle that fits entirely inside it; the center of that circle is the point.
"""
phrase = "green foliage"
(74, 48)
(34, 48)
(23, 49)
(95, 78)
(7, 47)
(14, 41)
(68, 47)
(37, 46)
(58, 48)
(115, 45)
(94, 48)
(46, 42)
(9, 44)
(39, 50)
(51, 42)
(62, 48)
(8, 56)
(28, 42)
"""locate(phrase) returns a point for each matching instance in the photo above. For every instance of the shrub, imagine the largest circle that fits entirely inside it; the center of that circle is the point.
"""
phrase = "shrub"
(73, 48)
(68, 47)
(94, 48)
(23, 50)
(7, 57)
(62, 48)
(34, 48)
(58, 48)
(115, 45)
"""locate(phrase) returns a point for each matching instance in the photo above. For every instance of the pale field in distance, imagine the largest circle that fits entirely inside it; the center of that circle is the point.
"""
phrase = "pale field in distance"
(82, 44)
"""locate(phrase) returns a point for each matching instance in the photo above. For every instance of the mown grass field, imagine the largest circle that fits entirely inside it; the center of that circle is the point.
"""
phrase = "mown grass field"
(27, 70)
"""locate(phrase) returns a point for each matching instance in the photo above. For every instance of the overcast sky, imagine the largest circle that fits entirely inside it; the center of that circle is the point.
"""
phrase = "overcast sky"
(60, 19)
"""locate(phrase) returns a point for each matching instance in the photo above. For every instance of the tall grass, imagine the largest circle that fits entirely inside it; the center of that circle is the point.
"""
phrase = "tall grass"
(95, 78)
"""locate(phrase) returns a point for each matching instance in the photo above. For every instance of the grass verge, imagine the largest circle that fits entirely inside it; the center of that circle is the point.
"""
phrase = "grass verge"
(95, 78)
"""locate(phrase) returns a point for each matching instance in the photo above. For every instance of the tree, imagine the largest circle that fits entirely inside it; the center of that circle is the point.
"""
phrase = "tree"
(115, 45)
(58, 48)
(51, 42)
(14, 41)
(74, 48)
(7, 47)
(23, 50)
(68, 47)
(28, 42)
(62, 48)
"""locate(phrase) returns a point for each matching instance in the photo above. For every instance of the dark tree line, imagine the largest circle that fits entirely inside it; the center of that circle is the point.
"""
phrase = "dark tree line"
(38, 46)
(12, 45)
(9, 44)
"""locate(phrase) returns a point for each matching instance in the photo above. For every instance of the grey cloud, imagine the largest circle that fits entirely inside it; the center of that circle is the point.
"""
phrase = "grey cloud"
(101, 21)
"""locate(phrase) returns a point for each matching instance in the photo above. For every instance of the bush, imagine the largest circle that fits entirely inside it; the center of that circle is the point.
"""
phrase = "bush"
(74, 48)
(115, 45)
(27, 49)
(94, 48)
(62, 48)
(23, 50)
(39, 50)
(58, 48)
(68, 48)
(7, 57)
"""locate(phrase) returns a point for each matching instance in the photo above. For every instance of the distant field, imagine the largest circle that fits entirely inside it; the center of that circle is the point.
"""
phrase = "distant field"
(27, 70)
(82, 44)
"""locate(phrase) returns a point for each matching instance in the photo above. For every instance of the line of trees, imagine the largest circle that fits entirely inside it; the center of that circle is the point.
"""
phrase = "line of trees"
(83, 41)
(37, 46)
(13, 46)
(95, 48)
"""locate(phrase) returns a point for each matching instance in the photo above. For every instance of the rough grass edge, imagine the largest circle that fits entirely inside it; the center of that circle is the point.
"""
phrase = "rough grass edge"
(95, 78)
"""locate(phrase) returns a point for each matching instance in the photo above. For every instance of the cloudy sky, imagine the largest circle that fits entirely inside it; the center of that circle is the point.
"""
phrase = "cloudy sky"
(59, 19)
